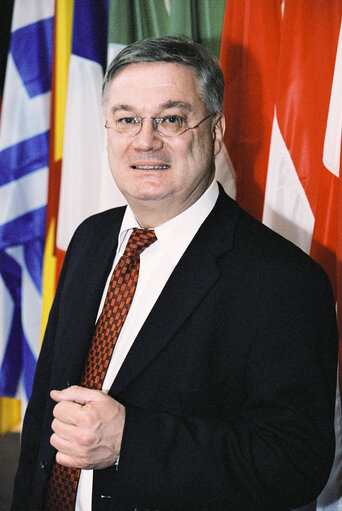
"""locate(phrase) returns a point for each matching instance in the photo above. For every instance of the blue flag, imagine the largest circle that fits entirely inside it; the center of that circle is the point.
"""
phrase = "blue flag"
(24, 155)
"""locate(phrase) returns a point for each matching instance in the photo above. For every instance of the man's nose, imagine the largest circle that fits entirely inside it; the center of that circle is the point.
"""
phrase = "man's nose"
(148, 137)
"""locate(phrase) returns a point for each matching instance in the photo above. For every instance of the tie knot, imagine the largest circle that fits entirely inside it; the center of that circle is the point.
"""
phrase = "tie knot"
(138, 241)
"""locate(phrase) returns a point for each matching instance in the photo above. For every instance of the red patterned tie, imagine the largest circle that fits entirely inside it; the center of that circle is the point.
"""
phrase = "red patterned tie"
(62, 487)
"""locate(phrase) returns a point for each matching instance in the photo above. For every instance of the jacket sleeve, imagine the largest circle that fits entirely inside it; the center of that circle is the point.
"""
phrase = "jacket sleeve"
(276, 452)
(36, 411)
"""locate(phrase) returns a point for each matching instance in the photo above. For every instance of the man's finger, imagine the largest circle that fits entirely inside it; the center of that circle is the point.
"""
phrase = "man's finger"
(71, 461)
(80, 395)
(67, 412)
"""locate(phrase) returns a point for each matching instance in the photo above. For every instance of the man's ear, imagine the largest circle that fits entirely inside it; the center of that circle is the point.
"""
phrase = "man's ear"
(218, 132)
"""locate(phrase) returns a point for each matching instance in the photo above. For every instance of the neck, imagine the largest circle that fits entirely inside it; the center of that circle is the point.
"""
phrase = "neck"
(152, 213)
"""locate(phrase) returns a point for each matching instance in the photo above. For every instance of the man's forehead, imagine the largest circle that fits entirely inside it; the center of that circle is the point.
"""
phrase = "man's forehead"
(168, 85)
(172, 67)
(146, 75)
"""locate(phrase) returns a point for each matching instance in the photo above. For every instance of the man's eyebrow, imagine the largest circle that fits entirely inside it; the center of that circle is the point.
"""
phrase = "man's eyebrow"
(177, 104)
(126, 108)
(169, 104)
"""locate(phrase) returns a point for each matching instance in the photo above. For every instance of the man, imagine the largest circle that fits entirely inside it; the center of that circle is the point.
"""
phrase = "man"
(212, 384)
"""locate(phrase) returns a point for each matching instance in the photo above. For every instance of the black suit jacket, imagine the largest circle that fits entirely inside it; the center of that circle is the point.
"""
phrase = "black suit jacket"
(229, 387)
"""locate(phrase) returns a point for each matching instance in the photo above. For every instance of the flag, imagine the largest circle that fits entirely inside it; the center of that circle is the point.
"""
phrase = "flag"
(24, 149)
(201, 20)
(61, 56)
(249, 60)
(301, 193)
(87, 186)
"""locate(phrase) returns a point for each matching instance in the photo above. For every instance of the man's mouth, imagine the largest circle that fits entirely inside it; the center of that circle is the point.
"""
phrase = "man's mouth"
(150, 167)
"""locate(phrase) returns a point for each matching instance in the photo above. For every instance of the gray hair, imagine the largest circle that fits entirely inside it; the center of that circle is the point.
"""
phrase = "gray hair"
(178, 50)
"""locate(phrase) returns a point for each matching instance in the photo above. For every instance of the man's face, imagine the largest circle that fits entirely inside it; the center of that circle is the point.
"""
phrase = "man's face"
(167, 174)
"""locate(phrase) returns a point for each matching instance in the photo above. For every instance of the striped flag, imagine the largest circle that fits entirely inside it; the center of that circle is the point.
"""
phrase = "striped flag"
(87, 186)
(61, 55)
(24, 149)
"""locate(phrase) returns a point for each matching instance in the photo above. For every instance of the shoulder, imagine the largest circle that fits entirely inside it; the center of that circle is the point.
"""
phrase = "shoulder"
(265, 255)
(100, 224)
(95, 236)
(103, 220)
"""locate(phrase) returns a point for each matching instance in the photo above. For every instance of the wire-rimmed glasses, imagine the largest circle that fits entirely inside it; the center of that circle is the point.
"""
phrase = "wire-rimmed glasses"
(167, 126)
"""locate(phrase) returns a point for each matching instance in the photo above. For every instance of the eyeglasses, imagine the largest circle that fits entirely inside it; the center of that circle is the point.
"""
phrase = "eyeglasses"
(168, 126)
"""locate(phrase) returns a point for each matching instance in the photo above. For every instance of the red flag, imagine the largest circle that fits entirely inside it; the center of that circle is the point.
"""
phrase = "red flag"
(249, 57)
(306, 66)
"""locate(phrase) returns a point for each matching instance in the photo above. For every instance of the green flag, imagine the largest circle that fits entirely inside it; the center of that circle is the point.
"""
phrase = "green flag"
(201, 20)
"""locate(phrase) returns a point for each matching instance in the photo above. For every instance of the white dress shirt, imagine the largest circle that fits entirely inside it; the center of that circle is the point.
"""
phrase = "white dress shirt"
(157, 262)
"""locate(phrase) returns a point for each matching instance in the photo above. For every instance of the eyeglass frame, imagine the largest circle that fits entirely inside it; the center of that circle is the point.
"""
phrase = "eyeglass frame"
(156, 122)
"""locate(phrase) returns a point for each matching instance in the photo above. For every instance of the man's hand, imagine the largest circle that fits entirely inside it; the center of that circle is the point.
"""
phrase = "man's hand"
(88, 428)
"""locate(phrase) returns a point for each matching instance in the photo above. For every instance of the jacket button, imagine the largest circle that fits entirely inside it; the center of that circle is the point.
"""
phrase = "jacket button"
(42, 464)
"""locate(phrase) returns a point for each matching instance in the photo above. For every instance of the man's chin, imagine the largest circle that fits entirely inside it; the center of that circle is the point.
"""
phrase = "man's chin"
(148, 197)
(152, 192)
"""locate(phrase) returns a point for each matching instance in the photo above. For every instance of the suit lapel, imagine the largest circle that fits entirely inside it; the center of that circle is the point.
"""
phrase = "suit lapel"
(195, 274)
(85, 283)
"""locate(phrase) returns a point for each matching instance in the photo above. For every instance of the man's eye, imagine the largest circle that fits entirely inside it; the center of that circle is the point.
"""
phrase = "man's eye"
(173, 119)
(126, 121)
